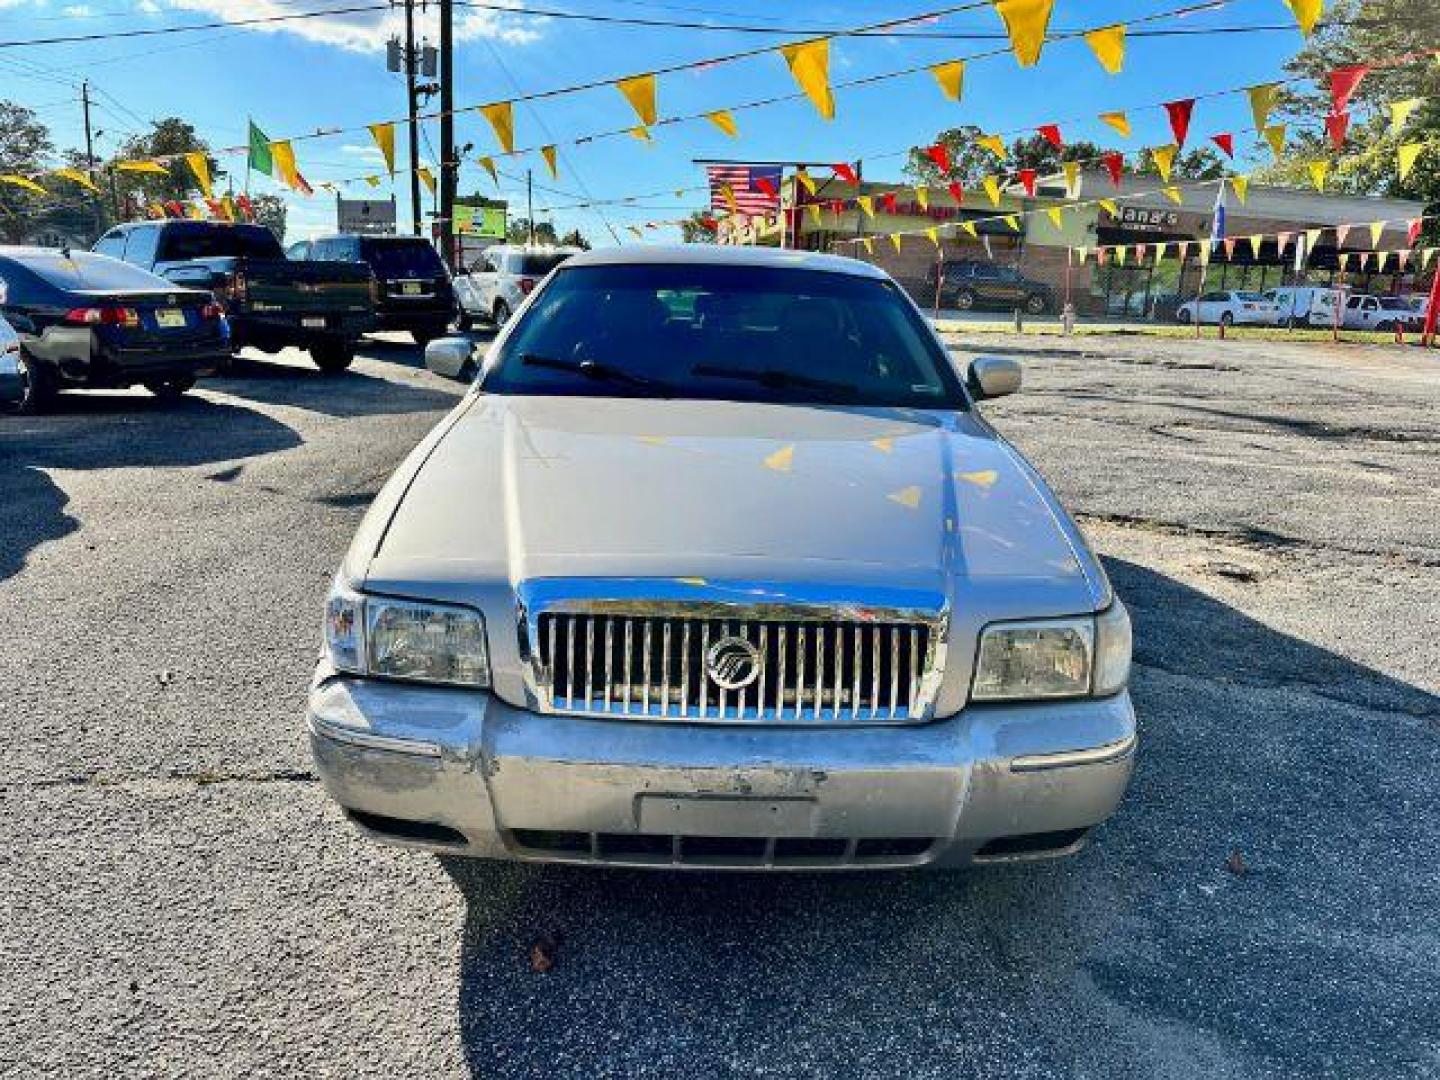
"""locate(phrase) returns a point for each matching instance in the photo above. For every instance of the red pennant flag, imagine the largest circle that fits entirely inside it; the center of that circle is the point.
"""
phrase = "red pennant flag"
(213, 205)
(1027, 177)
(1225, 141)
(1051, 133)
(1336, 125)
(247, 208)
(1115, 163)
(837, 206)
(940, 156)
(1140, 252)
(1180, 118)
(710, 223)
(957, 192)
(302, 185)
(174, 209)
(887, 200)
(1229, 247)
(846, 173)
(1412, 232)
(1101, 256)
(767, 186)
(1343, 83)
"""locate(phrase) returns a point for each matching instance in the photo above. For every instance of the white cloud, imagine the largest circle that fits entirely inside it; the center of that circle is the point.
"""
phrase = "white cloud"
(362, 151)
(78, 11)
(147, 7)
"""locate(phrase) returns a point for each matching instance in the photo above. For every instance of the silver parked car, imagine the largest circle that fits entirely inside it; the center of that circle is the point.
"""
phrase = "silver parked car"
(718, 565)
(496, 283)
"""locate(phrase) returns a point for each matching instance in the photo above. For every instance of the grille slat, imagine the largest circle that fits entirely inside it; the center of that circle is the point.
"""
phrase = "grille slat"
(809, 671)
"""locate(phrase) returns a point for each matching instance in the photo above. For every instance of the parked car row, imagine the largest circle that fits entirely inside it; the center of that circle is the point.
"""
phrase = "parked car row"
(1305, 305)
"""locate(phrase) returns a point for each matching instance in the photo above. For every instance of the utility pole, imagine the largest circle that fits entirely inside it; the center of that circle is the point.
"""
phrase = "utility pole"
(411, 63)
(449, 167)
(530, 207)
(90, 155)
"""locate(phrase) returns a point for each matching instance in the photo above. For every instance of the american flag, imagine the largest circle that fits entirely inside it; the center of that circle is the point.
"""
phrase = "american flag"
(756, 188)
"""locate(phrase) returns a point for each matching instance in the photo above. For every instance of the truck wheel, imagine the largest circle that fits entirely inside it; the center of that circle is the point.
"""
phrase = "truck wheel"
(37, 387)
(965, 300)
(170, 389)
(333, 357)
(501, 313)
(1036, 304)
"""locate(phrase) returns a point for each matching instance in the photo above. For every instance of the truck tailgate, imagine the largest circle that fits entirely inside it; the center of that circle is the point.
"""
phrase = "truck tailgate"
(301, 287)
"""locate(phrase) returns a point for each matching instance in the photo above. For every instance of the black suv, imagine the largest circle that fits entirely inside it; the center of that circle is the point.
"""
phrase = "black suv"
(415, 292)
(970, 285)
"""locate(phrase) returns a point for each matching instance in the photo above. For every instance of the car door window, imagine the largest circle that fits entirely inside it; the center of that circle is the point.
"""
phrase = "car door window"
(141, 244)
(112, 244)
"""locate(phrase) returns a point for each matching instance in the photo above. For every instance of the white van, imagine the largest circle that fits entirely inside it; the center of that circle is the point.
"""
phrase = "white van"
(1303, 304)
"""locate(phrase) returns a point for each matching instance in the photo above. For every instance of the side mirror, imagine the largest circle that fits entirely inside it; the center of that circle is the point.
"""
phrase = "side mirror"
(993, 376)
(449, 355)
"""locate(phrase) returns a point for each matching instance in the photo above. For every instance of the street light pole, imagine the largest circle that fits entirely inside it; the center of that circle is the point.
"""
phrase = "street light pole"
(90, 154)
(412, 61)
(530, 207)
(448, 165)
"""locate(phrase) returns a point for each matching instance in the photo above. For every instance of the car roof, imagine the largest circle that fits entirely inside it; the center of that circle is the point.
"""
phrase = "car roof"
(723, 255)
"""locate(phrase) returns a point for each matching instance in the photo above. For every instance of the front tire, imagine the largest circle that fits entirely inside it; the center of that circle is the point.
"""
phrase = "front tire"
(170, 389)
(333, 357)
(965, 300)
(1036, 304)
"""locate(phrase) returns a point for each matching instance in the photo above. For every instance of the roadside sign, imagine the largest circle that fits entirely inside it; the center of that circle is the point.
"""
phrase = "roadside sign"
(487, 222)
(365, 215)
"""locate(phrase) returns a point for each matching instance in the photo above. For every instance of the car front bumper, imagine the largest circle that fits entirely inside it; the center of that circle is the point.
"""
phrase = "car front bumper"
(466, 773)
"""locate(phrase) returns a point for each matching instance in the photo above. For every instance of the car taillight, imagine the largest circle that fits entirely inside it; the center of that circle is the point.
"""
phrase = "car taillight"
(238, 287)
(103, 316)
(527, 285)
(212, 310)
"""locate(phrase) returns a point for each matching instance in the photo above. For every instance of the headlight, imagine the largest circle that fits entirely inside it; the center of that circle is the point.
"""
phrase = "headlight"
(405, 639)
(1054, 658)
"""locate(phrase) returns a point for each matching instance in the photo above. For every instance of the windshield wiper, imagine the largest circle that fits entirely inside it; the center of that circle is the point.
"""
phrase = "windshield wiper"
(600, 372)
(776, 379)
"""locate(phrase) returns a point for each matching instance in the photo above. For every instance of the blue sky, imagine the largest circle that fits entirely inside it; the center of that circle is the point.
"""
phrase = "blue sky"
(299, 76)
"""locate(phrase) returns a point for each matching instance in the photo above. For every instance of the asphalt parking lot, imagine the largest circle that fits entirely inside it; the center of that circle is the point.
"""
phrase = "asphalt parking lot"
(179, 898)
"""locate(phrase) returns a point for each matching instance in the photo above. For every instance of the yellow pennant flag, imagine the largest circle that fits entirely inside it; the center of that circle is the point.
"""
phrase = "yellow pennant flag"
(1400, 112)
(641, 133)
(1119, 121)
(866, 203)
(1012, 222)
(1241, 184)
(1164, 157)
(427, 178)
(1307, 13)
(1344, 261)
(1319, 170)
(283, 155)
(934, 234)
(806, 181)
(24, 182)
(639, 91)
(373, 181)
(1160, 250)
(810, 65)
(1377, 229)
(1026, 22)
(1108, 45)
(1275, 136)
(199, 163)
(971, 231)
(502, 121)
(1262, 101)
(869, 242)
(992, 189)
(227, 209)
(488, 164)
(951, 77)
(549, 154)
(814, 210)
(728, 194)
(1408, 155)
(723, 120)
(1108, 205)
(143, 167)
(1173, 194)
(1312, 237)
(1425, 256)
(1255, 242)
(922, 197)
(78, 177)
(1072, 179)
(1205, 248)
(994, 143)
(1053, 213)
(895, 239)
(384, 136)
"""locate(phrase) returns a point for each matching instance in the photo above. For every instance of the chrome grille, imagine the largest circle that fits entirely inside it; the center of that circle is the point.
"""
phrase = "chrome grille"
(811, 670)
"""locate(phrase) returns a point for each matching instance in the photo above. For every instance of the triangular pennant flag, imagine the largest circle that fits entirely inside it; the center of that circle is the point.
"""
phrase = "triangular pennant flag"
(869, 242)
(895, 240)
(373, 181)
(809, 63)
(501, 116)
(1080, 253)
(727, 193)
(1108, 45)
(283, 155)
(866, 203)
(994, 143)
(1114, 164)
(1400, 112)
(1275, 136)
(992, 189)
(940, 156)
(1110, 207)
(957, 192)
(1053, 213)
(767, 186)
(247, 208)
(1179, 113)
(1072, 178)
(922, 197)
(1262, 102)
(259, 158)
(1027, 181)
(550, 155)
(1343, 83)
(78, 177)
(951, 77)
(1241, 184)
(1381, 257)
(1344, 261)
(23, 182)
(1408, 155)
(1342, 233)
(1160, 250)
(1402, 257)
(427, 178)
(1120, 255)
(1226, 142)
(1164, 158)
(1425, 256)
(813, 209)
(639, 91)
(199, 163)
(1026, 22)
(384, 136)
(142, 167)
(1051, 134)
(846, 173)
(1012, 222)
(1206, 250)
(1377, 230)
(1173, 194)
(1319, 170)
(1182, 249)
(1119, 121)
(1101, 256)
(1255, 242)
(971, 231)
(1336, 125)
(806, 181)
(1307, 13)
(227, 206)
(1282, 241)
(488, 164)
(723, 120)
(1229, 243)
(1412, 230)
(934, 234)
(887, 200)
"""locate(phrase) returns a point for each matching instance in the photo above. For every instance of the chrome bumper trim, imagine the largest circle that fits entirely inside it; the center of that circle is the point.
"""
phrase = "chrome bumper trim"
(370, 741)
(1098, 755)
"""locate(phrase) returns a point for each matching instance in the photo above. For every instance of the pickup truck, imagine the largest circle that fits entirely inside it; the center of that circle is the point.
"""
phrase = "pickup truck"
(271, 302)
(1383, 313)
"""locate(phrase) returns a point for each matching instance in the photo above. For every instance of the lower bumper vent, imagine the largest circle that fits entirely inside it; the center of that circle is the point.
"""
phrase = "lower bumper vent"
(739, 852)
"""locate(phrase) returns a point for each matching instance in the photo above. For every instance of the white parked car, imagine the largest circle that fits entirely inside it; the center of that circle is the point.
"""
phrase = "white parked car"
(494, 285)
(1228, 308)
(1383, 313)
(718, 564)
(1303, 304)
(10, 363)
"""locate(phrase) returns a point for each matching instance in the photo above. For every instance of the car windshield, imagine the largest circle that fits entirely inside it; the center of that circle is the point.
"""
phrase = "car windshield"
(725, 332)
(201, 240)
(1394, 303)
(82, 272)
(1249, 296)
(402, 258)
(534, 265)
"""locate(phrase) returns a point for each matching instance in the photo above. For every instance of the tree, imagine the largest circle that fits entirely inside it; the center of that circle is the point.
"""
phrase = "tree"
(971, 162)
(270, 211)
(1201, 163)
(25, 145)
(575, 238)
(168, 138)
(698, 228)
(518, 232)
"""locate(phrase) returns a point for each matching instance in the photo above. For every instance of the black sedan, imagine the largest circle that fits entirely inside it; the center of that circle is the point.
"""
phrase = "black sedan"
(88, 321)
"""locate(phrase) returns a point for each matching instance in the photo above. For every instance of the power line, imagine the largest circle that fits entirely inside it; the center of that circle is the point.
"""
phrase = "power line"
(153, 31)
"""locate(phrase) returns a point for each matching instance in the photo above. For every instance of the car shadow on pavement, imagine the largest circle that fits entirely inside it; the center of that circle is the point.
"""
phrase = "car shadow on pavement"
(1261, 904)
(348, 393)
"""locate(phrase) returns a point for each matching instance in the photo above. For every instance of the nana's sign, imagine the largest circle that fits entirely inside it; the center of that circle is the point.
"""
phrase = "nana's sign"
(1143, 220)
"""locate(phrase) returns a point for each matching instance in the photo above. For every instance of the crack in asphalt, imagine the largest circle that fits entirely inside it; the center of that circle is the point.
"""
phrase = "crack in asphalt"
(198, 777)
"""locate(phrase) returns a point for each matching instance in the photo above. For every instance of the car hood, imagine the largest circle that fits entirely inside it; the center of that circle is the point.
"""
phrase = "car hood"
(520, 488)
